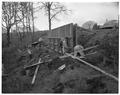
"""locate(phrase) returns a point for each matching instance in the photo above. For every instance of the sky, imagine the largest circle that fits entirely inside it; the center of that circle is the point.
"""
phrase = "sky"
(80, 13)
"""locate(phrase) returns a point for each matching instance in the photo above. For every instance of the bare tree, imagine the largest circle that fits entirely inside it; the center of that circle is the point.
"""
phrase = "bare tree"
(52, 10)
(17, 15)
(88, 24)
(9, 17)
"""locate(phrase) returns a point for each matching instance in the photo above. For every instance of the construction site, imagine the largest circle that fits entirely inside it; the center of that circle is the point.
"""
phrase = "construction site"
(87, 63)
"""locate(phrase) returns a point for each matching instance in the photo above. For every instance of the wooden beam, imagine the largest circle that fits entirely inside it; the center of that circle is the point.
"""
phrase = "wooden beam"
(87, 48)
(62, 67)
(91, 53)
(90, 47)
(35, 43)
(35, 74)
(32, 65)
(94, 67)
(64, 56)
(38, 63)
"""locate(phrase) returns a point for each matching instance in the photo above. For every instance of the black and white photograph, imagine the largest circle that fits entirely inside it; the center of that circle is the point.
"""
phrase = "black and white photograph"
(59, 47)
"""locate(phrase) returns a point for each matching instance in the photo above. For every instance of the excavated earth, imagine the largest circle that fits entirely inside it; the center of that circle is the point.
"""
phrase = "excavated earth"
(76, 77)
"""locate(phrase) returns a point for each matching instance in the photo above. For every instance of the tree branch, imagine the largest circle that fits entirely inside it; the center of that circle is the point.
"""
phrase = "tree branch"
(57, 13)
(3, 26)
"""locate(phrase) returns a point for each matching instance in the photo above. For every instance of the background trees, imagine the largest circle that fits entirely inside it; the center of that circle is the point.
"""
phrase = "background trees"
(89, 25)
(17, 15)
(9, 17)
(52, 10)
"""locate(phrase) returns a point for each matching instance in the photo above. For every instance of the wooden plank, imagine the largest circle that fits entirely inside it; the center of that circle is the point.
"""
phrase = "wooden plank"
(94, 67)
(35, 43)
(90, 47)
(32, 65)
(86, 49)
(91, 53)
(64, 56)
(62, 67)
(35, 74)
(38, 63)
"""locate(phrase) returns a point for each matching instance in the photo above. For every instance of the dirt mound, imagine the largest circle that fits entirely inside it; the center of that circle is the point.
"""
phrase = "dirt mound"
(75, 78)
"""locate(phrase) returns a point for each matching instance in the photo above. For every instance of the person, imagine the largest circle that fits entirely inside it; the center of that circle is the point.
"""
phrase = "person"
(78, 49)
(61, 45)
(40, 41)
(64, 46)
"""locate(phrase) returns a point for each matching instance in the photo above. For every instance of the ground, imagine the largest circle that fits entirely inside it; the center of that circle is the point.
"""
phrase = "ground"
(75, 78)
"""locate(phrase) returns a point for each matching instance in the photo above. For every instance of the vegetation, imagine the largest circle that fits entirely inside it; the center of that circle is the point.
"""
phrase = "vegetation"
(15, 84)
(16, 15)
(19, 33)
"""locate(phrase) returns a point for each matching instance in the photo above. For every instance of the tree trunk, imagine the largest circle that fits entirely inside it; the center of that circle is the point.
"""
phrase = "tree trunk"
(33, 23)
(17, 30)
(23, 23)
(49, 19)
(33, 28)
(29, 18)
(23, 27)
(29, 24)
(8, 36)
